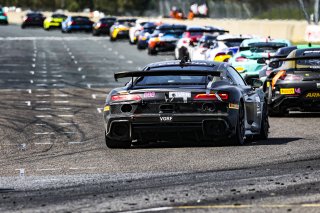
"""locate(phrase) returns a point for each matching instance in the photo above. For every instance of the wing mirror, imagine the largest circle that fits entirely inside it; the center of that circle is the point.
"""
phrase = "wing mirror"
(274, 64)
(261, 61)
(256, 83)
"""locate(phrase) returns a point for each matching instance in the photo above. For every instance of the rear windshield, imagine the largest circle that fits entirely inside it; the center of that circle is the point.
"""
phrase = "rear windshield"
(174, 80)
(80, 18)
(34, 15)
(266, 46)
(109, 20)
(233, 42)
(59, 16)
(310, 62)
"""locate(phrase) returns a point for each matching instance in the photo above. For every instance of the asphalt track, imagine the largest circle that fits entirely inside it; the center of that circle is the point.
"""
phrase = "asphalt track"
(53, 157)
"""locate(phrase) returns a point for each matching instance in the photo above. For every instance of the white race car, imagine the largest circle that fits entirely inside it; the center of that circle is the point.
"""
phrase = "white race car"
(135, 31)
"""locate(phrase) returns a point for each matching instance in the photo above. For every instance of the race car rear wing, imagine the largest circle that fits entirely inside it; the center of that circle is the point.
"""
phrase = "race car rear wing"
(133, 74)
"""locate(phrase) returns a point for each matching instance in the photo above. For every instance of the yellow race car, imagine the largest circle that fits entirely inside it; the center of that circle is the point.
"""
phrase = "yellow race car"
(120, 29)
(54, 21)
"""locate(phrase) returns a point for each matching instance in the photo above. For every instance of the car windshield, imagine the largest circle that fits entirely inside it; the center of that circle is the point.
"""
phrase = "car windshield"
(34, 15)
(109, 20)
(233, 42)
(174, 80)
(266, 46)
(81, 19)
(59, 16)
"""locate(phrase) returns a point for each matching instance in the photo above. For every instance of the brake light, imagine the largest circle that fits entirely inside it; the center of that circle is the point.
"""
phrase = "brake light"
(241, 59)
(280, 75)
(212, 96)
(117, 98)
(4, 14)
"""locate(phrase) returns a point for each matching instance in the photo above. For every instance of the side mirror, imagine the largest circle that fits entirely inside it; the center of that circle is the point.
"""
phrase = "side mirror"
(274, 64)
(256, 83)
(261, 61)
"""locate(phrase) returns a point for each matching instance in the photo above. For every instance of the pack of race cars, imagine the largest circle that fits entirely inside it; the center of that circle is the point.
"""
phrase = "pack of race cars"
(220, 84)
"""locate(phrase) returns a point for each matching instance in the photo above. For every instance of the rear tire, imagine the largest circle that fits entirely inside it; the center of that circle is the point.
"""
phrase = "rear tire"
(112, 39)
(113, 144)
(152, 51)
(264, 129)
(238, 138)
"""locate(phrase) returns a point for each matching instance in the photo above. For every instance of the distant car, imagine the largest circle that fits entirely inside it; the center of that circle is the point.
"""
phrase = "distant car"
(190, 37)
(165, 37)
(3, 17)
(145, 34)
(272, 63)
(135, 31)
(121, 27)
(33, 19)
(76, 23)
(103, 26)
(225, 47)
(54, 21)
(245, 61)
(198, 52)
(296, 86)
(178, 100)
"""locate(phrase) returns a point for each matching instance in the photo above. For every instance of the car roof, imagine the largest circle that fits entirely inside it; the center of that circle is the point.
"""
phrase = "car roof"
(190, 65)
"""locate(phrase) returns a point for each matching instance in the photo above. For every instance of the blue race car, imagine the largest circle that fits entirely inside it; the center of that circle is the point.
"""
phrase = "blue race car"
(145, 34)
(76, 23)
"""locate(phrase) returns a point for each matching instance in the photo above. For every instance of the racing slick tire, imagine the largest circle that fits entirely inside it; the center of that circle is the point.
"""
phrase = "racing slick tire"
(113, 144)
(264, 128)
(112, 38)
(238, 138)
(152, 51)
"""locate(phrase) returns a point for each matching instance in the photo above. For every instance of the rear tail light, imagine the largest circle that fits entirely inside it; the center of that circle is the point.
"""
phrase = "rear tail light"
(118, 98)
(212, 96)
(71, 23)
(241, 59)
(5, 14)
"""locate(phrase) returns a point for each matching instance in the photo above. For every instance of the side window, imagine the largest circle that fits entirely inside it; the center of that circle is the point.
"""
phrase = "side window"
(237, 79)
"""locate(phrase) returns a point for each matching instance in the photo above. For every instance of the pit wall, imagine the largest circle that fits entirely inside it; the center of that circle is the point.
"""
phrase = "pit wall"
(288, 29)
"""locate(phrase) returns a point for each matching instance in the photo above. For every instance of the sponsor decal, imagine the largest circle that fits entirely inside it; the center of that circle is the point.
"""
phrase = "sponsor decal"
(297, 90)
(233, 106)
(287, 91)
(313, 95)
(183, 95)
(149, 94)
(106, 108)
(318, 85)
(123, 93)
(166, 119)
(268, 83)
(239, 69)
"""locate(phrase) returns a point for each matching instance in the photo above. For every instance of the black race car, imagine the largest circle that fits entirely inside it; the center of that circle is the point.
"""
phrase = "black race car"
(103, 26)
(177, 100)
(33, 19)
(296, 86)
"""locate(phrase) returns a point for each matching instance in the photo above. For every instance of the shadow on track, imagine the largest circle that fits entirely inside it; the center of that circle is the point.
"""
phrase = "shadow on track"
(190, 144)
